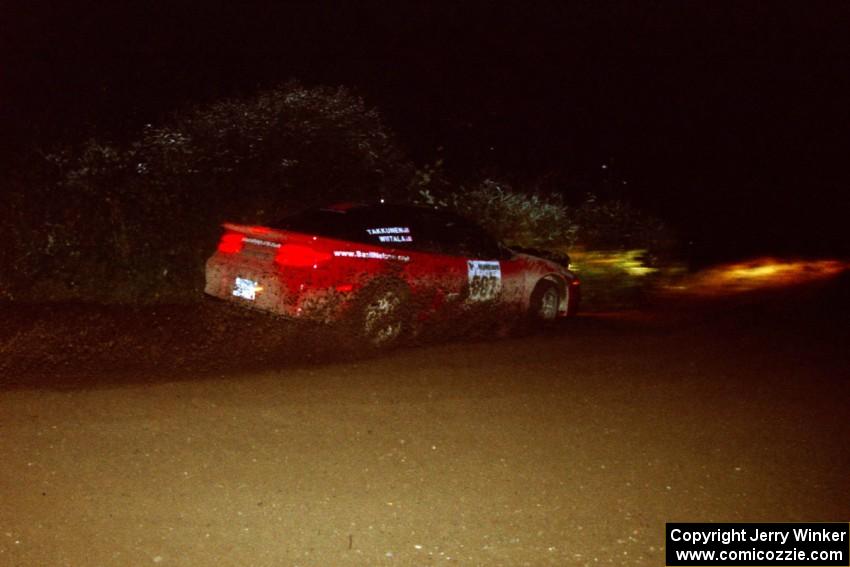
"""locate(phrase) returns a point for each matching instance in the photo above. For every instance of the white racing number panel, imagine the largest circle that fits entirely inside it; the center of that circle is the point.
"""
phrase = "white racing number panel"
(485, 280)
(246, 289)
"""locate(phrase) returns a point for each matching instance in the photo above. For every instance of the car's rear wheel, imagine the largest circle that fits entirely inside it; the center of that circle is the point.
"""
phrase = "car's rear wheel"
(545, 303)
(381, 315)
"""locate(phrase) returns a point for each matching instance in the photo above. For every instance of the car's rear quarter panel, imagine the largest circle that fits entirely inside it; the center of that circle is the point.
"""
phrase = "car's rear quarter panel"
(322, 291)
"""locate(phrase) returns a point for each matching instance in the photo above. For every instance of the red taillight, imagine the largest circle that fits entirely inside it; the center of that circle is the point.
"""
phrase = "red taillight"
(231, 243)
(299, 256)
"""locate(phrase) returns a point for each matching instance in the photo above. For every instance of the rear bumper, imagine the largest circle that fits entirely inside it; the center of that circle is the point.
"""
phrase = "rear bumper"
(274, 295)
(221, 280)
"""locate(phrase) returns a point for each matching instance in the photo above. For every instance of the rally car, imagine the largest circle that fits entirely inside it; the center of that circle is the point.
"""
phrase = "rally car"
(384, 271)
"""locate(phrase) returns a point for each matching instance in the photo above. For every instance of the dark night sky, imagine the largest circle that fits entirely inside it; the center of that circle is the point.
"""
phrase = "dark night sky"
(730, 119)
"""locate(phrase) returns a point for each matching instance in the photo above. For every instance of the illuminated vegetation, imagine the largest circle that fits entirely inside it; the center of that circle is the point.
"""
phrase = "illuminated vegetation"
(135, 220)
(760, 273)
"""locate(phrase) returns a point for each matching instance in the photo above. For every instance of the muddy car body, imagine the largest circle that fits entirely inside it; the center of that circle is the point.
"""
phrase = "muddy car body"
(385, 269)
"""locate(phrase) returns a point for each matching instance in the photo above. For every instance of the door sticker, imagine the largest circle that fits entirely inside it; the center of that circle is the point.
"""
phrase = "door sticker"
(485, 280)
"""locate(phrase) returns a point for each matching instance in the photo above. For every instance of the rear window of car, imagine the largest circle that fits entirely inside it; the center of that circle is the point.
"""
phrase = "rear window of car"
(384, 226)
(320, 222)
(396, 226)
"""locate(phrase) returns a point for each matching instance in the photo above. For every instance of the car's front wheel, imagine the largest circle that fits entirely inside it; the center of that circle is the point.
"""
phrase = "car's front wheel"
(545, 302)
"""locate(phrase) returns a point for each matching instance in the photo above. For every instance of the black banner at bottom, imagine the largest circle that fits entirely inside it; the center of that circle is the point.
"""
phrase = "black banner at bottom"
(806, 544)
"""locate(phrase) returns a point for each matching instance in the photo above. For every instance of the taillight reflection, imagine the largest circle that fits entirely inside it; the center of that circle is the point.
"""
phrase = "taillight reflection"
(299, 256)
(231, 243)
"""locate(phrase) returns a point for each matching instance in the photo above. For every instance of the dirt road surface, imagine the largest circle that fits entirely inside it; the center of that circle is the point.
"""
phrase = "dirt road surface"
(179, 436)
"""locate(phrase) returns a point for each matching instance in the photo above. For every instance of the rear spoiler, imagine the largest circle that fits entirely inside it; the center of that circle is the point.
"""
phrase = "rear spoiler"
(260, 232)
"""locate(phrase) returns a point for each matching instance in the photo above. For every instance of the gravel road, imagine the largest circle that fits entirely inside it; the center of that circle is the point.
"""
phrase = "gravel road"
(185, 436)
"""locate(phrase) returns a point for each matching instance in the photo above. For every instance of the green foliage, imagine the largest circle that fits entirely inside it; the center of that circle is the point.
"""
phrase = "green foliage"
(315, 144)
(126, 221)
(544, 220)
(616, 249)
(135, 221)
(616, 225)
(516, 218)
